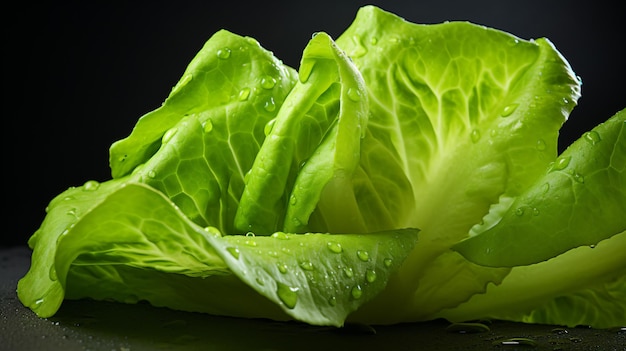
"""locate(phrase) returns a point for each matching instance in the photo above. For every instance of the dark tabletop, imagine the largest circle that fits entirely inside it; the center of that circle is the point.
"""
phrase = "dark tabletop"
(108, 326)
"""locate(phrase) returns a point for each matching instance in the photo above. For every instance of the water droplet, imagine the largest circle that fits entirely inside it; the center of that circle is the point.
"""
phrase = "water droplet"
(268, 82)
(280, 235)
(306, 265)
(475, 136)
(467, 328)
(334, 247)
(38, 302)
(354, 94)
(288, 295)
(293, 200)
(259, 281)
(223, 53)
(250, 242)
(536, 211)
(559, 331)
(374, 41)
(592, 137)
(52, 273)
(152, 174)
(250, 235)
(268, 126)
(348, 272)
(387, 262)
(233, 252)
(545, 188)
(169, 134)
(370, 275)
(363, 255)
(579, 178)
(519, 211)
(244, 94)
(332, 301)
(516, 342)
(282, 267)
(71, 212)
(541, 145)
(560, 163)
(270, 105)
(91, 185)
(508, 110)
(356, 292)
(208, 126)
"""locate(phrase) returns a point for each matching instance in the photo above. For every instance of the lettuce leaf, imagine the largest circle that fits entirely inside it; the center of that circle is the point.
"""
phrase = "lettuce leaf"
(399, 175)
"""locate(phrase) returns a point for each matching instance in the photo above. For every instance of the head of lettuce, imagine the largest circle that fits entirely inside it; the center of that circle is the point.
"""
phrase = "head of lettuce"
(404, 172)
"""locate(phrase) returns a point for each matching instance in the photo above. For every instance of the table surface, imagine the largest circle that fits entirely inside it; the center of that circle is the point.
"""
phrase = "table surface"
(93, 325)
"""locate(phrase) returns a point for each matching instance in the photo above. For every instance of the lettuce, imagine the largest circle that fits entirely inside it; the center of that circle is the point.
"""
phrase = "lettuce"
(403, 173)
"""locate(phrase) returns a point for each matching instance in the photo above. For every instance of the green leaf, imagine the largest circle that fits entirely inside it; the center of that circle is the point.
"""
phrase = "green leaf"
(580, 200)
(583, 286)
(314, 140)
(231, 82)
(137, 245)
(471, 116)
(464, 108)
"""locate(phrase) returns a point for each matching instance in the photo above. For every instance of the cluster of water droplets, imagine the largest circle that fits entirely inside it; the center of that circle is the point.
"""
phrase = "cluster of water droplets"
(288, 294)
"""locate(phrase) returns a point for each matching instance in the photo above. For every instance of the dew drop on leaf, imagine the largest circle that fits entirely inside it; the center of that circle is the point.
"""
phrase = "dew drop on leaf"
(270, 105)
(244, 94)
(52, 274)
(91, 185)
(332, 301)
(370, 275)
(233, 252)
(208, 126)
(223, 53)
(475, 135)
(288, 295)
(280, 235)
(592, 137)
(579, 178)
(306, 265)
(561, 163)
(508, 110)
(387, 262)
(282, 267)
(348, 272)
(334, 247)
(354, 95)
(268, 82)
(356, 292)
(363, 255)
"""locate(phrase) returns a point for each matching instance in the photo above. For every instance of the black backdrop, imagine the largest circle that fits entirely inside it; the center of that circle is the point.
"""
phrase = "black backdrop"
(79, 75)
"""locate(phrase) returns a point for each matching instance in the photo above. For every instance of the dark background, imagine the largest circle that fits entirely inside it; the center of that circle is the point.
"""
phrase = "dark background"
(79, 75)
